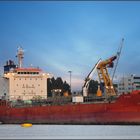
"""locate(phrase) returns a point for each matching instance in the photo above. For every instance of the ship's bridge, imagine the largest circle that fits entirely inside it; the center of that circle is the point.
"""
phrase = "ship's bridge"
(28, 71)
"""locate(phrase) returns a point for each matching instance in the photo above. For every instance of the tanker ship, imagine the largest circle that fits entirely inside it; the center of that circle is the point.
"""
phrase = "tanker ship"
(19, 102)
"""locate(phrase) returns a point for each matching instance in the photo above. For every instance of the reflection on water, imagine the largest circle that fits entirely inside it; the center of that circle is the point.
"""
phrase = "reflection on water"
(70, 132)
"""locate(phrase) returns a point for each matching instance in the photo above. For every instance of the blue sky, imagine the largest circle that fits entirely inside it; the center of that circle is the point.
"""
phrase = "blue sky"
(69, 35)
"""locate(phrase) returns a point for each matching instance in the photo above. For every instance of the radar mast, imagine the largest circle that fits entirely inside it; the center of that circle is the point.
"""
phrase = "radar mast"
(20, 56)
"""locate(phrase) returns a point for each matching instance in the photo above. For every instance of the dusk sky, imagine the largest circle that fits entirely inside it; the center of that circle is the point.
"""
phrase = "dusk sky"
(71, 35)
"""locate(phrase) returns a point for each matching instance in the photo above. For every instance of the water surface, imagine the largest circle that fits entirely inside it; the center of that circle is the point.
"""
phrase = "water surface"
(70, 132)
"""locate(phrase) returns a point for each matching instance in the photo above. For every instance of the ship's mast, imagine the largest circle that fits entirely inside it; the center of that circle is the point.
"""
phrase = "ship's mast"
(20, 56)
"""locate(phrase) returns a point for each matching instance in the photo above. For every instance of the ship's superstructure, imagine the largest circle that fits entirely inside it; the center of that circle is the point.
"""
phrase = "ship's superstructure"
(27, 83)
(4, 90)
(24, 83)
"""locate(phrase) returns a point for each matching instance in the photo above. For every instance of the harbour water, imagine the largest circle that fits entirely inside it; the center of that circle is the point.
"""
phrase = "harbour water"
(70, 132)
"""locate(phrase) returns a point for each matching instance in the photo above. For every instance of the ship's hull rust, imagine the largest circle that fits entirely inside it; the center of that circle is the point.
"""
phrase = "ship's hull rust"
(125, 110)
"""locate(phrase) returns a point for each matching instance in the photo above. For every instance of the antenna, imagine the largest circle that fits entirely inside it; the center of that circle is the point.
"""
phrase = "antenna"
(20, 56)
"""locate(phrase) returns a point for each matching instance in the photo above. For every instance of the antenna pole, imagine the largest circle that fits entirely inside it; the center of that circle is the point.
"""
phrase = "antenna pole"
(20, 56)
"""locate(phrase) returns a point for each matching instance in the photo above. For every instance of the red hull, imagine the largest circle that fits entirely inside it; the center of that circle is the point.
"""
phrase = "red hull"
(126, 109)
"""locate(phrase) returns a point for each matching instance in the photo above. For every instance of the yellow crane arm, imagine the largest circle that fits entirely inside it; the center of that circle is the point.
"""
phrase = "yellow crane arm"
(107, 62)
(104, 76)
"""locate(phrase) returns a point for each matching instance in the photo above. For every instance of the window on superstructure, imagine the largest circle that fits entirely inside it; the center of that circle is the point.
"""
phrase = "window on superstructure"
(28, 72)
(136, 82)
(136, 77)
(21, 72)
(24, 72)
(18, 72)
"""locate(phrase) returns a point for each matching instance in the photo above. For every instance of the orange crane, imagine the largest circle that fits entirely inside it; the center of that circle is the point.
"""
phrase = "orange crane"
(104, 76)
(101, 67)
